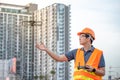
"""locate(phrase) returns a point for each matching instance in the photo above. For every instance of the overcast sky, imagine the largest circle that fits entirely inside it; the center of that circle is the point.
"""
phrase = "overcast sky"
(103, 16)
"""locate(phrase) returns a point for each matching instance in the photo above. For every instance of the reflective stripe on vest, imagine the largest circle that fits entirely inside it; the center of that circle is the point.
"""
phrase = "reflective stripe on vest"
(93, 61)
(85, 75)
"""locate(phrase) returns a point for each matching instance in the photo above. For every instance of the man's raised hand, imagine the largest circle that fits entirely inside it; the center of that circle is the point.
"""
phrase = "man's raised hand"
(40, 46)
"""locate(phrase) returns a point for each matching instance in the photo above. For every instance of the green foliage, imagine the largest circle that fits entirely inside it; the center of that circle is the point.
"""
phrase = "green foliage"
(36, 77)
(41, 77)
(52, 72)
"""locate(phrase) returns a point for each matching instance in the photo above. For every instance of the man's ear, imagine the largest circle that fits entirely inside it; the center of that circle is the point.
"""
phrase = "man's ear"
(88, 39)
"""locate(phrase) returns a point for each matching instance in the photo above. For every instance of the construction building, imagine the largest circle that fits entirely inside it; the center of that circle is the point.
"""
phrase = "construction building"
(22, 26)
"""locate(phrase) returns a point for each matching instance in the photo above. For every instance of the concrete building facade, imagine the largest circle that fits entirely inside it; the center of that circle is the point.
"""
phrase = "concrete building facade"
(15, 37)
(54, 32)
(18, 38)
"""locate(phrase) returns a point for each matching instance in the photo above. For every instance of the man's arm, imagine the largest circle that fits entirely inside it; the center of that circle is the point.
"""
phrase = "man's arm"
(56, 57)
(99, 71)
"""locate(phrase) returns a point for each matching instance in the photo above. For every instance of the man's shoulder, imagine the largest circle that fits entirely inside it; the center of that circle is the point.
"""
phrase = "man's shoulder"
(74, 50)
(98, 49)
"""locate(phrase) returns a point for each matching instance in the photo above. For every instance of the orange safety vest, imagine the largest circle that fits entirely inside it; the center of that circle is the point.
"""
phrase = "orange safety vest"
(93, 61)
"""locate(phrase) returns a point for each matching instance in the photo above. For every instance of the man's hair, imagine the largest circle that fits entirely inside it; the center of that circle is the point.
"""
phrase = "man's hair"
(89, 36)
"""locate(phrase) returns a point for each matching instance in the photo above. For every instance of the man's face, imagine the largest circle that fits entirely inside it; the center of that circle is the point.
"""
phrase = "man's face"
(83, 40)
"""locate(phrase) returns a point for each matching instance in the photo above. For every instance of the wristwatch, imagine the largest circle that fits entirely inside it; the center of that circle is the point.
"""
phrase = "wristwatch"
(94, 70)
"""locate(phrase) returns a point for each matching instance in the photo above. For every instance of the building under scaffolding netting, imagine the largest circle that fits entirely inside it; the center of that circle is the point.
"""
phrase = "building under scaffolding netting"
(8, 69)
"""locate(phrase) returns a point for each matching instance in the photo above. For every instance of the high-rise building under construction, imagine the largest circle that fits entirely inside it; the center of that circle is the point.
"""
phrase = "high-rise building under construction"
(21, 27)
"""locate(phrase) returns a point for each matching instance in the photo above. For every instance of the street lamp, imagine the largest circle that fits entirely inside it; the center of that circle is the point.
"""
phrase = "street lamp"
(32, 24)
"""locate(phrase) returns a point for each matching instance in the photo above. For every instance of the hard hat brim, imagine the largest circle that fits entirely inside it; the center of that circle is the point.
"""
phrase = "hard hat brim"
(79, 33)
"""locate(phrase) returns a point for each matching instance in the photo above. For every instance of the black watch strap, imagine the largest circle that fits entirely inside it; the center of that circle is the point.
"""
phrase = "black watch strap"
(94, 70)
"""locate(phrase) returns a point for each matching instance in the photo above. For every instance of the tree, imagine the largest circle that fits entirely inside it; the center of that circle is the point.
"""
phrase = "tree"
(52, 72)
(41, 77)
(35, 77)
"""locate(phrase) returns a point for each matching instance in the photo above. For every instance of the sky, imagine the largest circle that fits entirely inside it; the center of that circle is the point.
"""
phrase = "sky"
(103, 16)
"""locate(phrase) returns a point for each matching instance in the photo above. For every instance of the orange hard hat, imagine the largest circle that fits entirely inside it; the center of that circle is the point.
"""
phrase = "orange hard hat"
(87, 31)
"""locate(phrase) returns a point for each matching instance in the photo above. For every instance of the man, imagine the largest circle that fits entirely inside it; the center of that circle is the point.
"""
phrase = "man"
(89, 61)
